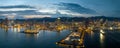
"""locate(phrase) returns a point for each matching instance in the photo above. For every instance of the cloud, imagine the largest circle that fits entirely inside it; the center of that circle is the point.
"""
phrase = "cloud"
(17, 9)
(61, 10)
(48, 11)
(24, 10)
(108, 8)
(73, 7)
(36, 16)
(16, 6)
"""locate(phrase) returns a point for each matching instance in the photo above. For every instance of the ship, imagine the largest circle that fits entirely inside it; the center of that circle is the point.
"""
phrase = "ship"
(31, 30)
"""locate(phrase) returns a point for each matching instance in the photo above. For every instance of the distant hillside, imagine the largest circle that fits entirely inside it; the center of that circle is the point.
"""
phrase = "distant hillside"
(71, 19)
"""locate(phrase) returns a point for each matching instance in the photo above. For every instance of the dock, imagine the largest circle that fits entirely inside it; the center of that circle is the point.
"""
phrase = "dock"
(73, 40)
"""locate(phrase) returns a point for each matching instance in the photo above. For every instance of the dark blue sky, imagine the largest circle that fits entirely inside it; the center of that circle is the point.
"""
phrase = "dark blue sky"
(64, 7)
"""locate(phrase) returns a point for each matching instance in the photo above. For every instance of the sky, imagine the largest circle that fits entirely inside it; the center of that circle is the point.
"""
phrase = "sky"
(58, 8)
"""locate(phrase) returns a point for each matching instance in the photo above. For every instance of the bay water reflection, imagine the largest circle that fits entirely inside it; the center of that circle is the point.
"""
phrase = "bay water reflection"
(106, 39)
(12, 38)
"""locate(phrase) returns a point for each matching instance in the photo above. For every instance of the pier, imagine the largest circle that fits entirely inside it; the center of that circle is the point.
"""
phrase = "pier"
(73, 40)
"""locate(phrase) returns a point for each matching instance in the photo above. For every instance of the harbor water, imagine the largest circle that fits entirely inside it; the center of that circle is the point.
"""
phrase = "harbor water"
(12, 38)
